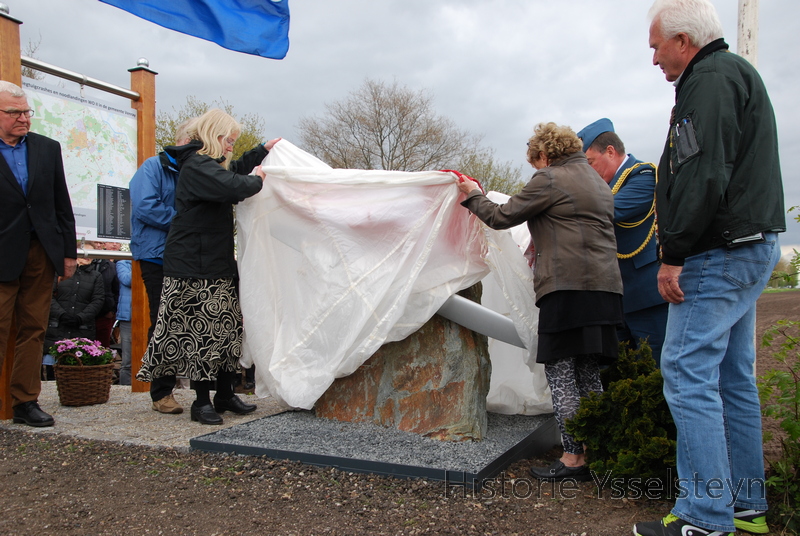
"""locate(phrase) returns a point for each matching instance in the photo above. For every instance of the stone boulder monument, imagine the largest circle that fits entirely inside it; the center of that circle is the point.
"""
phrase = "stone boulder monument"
(433, 383)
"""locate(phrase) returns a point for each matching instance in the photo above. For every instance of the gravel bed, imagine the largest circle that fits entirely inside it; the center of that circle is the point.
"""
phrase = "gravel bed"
(303, 432)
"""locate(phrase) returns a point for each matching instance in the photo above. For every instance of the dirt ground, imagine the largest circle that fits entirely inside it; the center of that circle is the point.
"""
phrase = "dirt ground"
(55, 485)
(771, 308)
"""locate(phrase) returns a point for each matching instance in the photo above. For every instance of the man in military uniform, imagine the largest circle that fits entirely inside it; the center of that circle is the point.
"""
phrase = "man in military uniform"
(633, 183)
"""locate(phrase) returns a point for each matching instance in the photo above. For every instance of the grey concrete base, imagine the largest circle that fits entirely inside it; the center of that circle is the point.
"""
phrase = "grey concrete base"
(368, 448)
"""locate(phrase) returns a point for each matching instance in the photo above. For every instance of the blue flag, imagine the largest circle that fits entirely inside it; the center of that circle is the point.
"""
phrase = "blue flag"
(259, 27)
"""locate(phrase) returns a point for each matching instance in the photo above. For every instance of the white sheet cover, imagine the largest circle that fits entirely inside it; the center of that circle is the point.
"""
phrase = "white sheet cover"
(334, 263)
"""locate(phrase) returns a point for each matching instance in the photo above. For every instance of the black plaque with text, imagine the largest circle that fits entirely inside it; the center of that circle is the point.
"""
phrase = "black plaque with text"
(113, 212)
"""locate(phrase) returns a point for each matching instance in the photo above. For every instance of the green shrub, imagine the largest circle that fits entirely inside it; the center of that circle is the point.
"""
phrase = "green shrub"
(628, 429)
(780, 399)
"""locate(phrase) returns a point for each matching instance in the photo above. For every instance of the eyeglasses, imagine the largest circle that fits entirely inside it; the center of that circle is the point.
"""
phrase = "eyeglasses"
(16, 114)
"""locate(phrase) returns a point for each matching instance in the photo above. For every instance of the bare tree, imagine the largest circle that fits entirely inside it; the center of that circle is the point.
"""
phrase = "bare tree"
(30, 51)
(252, 124)
(503, 177)
(382, 126)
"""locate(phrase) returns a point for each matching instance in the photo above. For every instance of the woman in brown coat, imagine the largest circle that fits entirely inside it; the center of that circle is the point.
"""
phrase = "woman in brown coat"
(569, 210)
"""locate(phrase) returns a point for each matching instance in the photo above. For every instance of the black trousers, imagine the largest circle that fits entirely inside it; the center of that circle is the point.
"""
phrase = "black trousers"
(153, 277)
(223, 385)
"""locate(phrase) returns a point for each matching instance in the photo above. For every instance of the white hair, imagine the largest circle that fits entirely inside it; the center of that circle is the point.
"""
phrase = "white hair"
(698, 19)
(13, 89)
(183, 130)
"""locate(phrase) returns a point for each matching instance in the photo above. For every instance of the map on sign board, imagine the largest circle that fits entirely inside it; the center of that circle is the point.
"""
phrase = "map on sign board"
(98, 145)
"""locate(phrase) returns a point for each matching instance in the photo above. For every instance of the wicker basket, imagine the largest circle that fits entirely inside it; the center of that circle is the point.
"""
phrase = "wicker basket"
(80, 385)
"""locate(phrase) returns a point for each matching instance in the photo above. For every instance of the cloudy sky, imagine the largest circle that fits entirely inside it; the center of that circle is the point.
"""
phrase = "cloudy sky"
(496, 68)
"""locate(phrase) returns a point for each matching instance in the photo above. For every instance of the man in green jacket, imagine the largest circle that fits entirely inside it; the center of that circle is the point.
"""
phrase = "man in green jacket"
(719, 204)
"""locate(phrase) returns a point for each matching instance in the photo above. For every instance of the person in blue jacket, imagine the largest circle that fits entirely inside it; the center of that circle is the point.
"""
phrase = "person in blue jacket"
(152, 191)
(633, 184)
(124, 319)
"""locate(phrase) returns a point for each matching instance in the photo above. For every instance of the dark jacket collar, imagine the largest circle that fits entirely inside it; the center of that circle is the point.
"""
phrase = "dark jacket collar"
(5, 170)
(168, 162)
(180, 154)
(713, 46)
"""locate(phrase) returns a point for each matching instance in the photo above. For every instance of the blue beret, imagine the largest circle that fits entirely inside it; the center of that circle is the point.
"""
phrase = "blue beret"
(590, 133)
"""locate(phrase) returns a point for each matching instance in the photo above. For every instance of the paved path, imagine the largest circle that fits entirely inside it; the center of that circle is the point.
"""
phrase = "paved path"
(128, 418)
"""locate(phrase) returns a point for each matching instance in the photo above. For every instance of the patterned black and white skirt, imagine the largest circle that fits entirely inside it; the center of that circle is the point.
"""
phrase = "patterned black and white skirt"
(198, 332)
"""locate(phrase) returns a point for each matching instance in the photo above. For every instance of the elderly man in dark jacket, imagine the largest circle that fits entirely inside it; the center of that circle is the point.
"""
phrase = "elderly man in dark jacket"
(37, 241)
(719, 202)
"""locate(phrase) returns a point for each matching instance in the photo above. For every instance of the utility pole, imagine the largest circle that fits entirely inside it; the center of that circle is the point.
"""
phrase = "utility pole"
(747, 47)
(747, 42)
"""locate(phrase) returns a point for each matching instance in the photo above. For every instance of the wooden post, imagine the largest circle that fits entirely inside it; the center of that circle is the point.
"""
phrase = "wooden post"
(143, 81)
(10, 71)
(747, 41)
(10, 52)
(140, 323)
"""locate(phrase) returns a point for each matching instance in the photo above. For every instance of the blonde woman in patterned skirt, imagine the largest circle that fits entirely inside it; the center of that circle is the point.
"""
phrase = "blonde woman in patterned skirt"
(198, 332)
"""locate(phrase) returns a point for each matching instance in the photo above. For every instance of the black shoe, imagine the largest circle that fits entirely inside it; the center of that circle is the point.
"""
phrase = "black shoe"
(558, 472)
(233, 404)
(205, 414)
(31, 414)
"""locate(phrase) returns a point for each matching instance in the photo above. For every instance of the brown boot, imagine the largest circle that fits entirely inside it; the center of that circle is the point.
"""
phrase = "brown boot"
(168, 405)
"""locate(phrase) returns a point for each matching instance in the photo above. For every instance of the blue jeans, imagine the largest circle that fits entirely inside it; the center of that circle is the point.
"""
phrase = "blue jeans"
(125, 336)
(708, 363)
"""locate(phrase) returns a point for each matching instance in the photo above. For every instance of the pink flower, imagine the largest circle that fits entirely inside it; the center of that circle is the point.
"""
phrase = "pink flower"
(82, 347)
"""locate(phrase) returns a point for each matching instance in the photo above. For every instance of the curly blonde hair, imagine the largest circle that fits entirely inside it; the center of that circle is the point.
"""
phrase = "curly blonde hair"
(211, 129)
(554, 141)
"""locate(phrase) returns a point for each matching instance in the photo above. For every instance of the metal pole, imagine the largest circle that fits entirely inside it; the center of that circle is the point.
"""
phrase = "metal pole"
(747, 42)
(111, 254)
(79, 78)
